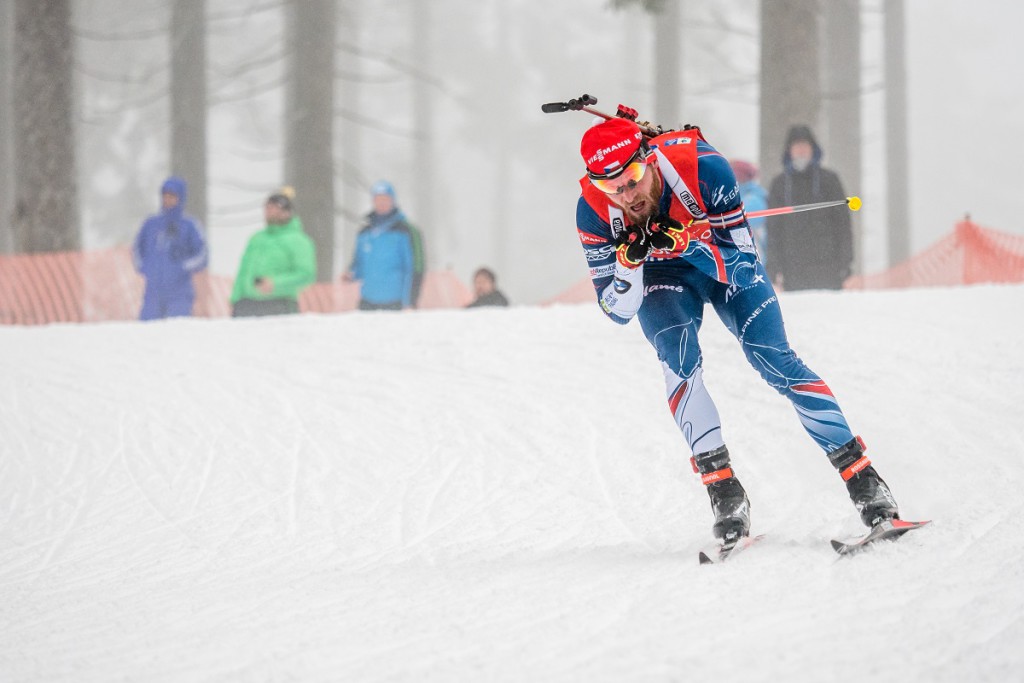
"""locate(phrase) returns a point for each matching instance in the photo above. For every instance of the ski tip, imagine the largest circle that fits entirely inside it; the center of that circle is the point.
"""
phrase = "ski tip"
(838, 546)
(903, 524)
(704, 559)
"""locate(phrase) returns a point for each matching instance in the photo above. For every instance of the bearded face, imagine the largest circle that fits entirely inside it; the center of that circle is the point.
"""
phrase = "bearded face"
(646, 205)
(641, 202)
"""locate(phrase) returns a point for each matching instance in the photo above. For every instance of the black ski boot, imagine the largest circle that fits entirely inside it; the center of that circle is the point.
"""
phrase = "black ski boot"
(728, 499)
(868, 491)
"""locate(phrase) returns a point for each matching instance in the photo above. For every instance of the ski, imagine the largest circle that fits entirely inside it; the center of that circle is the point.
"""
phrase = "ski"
(721, 553)
(890, 529)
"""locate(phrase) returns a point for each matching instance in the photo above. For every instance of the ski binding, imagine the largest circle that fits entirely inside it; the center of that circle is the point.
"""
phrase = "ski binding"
(728, 548)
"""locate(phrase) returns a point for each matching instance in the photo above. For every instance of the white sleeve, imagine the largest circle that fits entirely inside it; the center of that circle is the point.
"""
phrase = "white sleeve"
(624, 294)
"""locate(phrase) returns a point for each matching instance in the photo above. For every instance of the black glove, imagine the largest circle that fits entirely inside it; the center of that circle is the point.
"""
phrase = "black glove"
(668, 233)
(658, 233)
(634, 246)
(659, 238)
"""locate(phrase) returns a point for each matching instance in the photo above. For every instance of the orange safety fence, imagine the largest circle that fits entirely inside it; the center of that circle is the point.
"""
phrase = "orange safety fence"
(969, 255)
(581, 292)
(95, 286)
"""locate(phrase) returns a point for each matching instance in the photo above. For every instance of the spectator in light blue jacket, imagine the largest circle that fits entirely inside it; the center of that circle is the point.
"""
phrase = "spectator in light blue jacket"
(383, 261)
(168, 249)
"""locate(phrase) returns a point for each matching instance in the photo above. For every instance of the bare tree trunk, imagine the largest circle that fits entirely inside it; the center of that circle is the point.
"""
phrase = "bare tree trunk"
(46, 197)
(843, 139)
(505, 254)
(897, 182)
(668, 64)
(309, 123)
(353, 193)
(423, 112)
(6, 122)
(188, 100)
(790, 74)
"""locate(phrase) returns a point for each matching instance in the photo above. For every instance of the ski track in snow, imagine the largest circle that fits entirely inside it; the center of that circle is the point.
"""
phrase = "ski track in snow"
(501, 495)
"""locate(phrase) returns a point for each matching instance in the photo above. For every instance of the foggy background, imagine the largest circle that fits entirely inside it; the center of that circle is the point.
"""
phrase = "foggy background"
(443, 99)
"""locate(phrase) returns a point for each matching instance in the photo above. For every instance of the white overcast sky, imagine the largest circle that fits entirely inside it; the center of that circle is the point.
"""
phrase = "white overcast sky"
(966, 98)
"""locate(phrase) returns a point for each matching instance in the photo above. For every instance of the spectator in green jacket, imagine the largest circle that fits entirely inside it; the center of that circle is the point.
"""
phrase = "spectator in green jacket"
(278, 263)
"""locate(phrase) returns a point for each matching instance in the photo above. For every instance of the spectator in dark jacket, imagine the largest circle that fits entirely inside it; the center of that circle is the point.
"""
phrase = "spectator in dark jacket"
(486, 290)
(167, 251)
(810, 249)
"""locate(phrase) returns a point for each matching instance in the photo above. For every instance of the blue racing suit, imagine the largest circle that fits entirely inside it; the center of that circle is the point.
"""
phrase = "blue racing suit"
(715, 264)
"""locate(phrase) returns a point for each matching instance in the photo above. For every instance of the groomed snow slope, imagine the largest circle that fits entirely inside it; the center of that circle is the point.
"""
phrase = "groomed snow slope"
(501, 495)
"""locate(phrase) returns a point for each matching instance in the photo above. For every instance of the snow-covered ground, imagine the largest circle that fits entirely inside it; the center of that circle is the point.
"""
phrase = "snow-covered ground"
(501, 495)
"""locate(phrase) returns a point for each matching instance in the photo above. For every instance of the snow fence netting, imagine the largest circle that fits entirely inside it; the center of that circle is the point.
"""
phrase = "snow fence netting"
(102, 285)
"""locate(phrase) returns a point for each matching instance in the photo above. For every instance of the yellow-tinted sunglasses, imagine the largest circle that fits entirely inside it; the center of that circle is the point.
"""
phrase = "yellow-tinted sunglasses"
(632, 174)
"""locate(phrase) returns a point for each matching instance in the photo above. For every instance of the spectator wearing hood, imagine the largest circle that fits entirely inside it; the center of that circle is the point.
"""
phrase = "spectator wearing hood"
(810, 249)
(388, 259)
(755, 198)
(278, 263)
(168, 249)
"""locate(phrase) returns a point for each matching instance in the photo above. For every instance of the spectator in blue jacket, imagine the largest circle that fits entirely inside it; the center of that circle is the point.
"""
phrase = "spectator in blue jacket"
(383, 262)
(168, 249)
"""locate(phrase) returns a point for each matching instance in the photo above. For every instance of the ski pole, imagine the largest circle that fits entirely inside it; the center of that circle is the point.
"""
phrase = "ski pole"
(853, 202)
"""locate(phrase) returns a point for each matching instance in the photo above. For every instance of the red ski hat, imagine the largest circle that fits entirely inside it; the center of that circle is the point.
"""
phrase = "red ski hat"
(610, 146)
